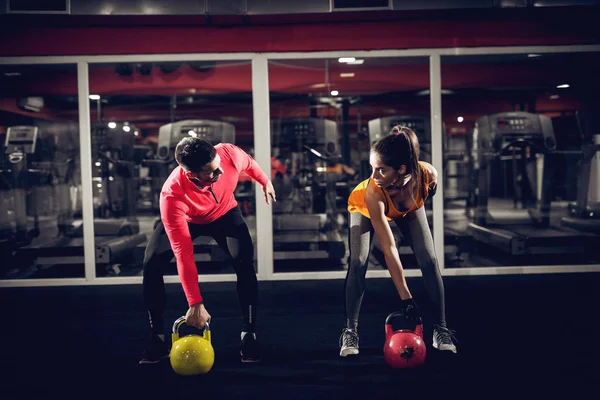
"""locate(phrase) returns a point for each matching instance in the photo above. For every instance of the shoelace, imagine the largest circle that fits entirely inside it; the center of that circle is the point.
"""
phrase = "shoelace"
(350, 339)
(445, 335)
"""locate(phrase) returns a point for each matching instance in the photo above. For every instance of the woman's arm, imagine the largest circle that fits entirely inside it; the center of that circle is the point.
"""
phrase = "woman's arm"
(376, 207)
(433, 177)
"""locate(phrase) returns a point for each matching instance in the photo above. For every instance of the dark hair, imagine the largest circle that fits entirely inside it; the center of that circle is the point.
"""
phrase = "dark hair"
(192, 153)
(400, 147)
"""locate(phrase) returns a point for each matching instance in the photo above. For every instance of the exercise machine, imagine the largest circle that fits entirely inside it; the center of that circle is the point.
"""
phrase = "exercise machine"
(116, 228)
(310, 213)
(526, 142)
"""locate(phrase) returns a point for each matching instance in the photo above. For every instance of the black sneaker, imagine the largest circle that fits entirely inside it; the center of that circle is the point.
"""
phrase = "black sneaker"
(443, 339)
(348, 343)
(156, 350)
(250, 351)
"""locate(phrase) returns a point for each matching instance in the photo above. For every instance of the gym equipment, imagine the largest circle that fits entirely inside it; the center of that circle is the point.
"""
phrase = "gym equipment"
(306, 222)
(17, 174)
(585, 212)
(527, 141)
(404, 348)
(115, 224)
(191, 354)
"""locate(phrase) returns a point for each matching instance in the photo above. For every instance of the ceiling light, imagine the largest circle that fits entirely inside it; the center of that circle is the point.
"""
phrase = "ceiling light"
(346, 59)
(554, 97)
(347, 75)
(533, 55)
(334, 92)
(94, 97)
(460, 119)
(563, 86)
(355, 62)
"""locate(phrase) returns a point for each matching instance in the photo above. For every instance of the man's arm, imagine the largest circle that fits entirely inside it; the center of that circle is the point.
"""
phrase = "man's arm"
(249, 165)
(173, 216)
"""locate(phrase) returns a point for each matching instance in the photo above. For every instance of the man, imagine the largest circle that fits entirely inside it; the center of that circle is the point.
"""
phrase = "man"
(198, 200)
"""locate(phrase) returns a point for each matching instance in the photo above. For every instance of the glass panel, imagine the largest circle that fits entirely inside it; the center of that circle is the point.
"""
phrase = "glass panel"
(521, 175)
(325, 116)
(139, 114)
(41, 227)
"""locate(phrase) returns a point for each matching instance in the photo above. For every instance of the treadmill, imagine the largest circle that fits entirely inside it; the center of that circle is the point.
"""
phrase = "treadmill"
(116, 233)
(305, 221)
(584, 214)
(527, 140)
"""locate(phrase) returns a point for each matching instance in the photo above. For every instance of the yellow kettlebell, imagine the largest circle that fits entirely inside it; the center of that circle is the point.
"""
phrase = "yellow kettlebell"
(191, 354)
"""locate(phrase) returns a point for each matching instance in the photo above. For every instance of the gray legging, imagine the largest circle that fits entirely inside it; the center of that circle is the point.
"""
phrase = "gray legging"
(415, 230)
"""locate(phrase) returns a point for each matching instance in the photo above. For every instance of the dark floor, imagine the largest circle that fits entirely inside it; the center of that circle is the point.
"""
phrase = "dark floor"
(529, 336)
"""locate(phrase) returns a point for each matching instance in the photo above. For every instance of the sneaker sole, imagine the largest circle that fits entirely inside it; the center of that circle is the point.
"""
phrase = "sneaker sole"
(145, 361)
(435, 346)
(249, 361)
(348, 352)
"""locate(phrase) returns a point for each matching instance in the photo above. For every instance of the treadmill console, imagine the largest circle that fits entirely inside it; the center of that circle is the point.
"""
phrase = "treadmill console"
(492, 132)
(298, 133)
(511, 124)
(419, 124)
(381, 127)
(295, 133)
(21, 139)
(212, 131)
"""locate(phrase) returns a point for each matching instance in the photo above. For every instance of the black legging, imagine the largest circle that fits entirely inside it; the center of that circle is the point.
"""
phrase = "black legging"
(415, 230)
(232, 235)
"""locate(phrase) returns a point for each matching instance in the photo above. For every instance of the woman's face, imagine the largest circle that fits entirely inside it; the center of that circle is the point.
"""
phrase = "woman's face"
(383, 175)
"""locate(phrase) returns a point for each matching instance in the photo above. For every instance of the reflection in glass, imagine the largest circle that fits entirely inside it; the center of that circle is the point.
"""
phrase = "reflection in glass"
(519, 179)
(325, 116)
(141, 111)
(41, 230)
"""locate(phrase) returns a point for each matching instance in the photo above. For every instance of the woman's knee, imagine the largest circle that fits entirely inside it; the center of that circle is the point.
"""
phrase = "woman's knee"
(428, 263)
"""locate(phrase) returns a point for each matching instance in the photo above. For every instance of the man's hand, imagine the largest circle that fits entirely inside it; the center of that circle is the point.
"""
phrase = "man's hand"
(197, 316)
(269, 191)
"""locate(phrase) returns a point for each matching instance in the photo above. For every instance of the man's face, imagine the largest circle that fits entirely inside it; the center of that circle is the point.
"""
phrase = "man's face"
(209, 174)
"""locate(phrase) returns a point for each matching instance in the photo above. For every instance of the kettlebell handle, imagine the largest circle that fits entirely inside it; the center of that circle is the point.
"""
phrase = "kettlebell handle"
(389, 331)
(180, 321)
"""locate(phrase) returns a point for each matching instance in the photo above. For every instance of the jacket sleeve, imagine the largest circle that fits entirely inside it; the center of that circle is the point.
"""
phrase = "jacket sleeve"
(244, 162)
(173, 214)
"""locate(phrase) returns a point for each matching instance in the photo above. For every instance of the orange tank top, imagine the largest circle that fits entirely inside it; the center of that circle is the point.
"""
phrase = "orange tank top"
(357, 203)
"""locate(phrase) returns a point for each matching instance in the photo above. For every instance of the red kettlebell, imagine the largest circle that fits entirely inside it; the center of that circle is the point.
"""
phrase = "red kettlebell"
(404, 348)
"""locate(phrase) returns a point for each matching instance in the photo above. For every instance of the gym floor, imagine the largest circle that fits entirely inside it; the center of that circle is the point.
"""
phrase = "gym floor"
(519, 336)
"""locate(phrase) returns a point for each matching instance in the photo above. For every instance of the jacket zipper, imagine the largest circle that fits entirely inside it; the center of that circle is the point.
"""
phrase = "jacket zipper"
(213, 194)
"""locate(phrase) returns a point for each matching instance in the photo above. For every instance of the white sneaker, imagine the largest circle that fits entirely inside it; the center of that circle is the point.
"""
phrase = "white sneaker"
(348, 343)
(443, 339)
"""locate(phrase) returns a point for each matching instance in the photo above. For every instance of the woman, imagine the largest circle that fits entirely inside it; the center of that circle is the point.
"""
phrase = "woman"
(396, 191)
